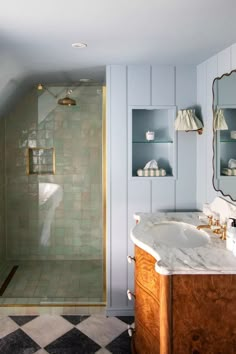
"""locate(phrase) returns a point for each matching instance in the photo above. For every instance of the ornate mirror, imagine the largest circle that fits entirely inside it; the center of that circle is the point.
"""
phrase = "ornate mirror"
(224, 134)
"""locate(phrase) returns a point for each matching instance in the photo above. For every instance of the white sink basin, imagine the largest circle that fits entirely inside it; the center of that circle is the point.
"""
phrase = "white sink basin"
(176, 234)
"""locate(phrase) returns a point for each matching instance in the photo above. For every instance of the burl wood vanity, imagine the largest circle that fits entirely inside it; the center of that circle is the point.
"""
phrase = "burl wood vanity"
(182, 307)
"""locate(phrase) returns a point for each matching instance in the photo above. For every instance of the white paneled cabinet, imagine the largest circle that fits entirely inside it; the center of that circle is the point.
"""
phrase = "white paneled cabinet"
(139, 199)
(163, 195)
(116, 187)
(163, 85)
(211, 74)
(201, 140)
(233, 57)
(139, 85)
(151, 85)
(224, 61)
(138, 88)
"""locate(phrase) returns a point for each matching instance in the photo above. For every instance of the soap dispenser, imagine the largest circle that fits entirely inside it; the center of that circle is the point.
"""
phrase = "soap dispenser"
(231, 237)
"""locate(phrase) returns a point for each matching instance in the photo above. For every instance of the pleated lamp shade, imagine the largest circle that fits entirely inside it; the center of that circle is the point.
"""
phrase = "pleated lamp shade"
(187, 120)
(219, 120)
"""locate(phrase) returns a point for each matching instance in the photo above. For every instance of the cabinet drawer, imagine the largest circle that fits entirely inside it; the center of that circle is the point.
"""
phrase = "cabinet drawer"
(145, 273)
(147, 311)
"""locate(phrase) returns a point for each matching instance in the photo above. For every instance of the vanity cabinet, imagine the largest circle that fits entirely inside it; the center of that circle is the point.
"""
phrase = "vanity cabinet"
(159, 120)
(182, 314)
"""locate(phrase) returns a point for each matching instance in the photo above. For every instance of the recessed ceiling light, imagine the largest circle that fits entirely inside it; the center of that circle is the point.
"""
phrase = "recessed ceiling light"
(79, 45)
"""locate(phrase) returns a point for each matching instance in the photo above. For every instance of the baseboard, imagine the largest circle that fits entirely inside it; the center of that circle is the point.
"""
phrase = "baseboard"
(110, 312)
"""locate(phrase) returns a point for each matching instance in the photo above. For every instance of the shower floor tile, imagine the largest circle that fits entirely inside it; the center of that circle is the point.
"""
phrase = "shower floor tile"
(53, 281)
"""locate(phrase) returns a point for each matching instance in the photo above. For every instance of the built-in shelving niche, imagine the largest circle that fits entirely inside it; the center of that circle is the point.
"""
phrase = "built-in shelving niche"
(159, 120)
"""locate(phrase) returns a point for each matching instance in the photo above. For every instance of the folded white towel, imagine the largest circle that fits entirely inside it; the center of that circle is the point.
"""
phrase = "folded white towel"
(151, 173)
(229, 171)
(232, 163)
(151, 165)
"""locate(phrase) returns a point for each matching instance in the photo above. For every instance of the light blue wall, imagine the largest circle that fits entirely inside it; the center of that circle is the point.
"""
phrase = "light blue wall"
(142, 85)
(186, 147)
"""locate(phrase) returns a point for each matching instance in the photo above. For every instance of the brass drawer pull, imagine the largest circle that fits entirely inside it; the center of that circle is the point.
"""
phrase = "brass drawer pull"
(130, 294)
(130, 259)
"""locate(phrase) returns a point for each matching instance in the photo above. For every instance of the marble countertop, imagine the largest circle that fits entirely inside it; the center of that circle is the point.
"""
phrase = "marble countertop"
(211, 258)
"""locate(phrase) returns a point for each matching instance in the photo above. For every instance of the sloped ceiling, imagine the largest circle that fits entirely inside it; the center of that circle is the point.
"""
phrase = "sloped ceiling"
(37, 35)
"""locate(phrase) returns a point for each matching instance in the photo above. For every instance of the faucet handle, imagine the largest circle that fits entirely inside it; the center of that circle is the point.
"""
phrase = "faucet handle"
(210, 219)
(224, 231)
(220, 230)
(217, 222)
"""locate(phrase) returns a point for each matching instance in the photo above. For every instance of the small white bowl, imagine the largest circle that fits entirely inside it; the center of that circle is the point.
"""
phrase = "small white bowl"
(150, 136)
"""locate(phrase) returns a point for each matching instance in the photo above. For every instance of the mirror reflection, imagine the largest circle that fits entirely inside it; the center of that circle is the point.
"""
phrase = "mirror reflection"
(224, 126)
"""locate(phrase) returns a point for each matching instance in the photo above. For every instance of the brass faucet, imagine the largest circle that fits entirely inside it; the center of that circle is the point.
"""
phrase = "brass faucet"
(217, 228)
(208, 226)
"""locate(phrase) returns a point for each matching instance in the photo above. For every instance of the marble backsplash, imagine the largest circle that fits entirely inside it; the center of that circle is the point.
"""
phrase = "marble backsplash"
(220, 209)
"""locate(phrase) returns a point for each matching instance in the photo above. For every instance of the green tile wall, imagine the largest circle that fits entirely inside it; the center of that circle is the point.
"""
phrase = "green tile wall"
(2, 191)
(55, 216)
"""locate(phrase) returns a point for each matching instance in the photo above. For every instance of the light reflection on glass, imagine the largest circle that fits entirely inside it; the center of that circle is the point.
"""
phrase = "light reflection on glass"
(50, 196)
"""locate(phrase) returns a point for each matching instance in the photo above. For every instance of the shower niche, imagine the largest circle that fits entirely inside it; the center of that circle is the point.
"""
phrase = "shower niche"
(40, 161)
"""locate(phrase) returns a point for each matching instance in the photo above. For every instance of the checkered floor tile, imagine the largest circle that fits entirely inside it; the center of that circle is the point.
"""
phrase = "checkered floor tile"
(53, 334)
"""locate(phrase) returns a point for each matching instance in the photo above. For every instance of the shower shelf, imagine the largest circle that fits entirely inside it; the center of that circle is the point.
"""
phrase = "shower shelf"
(40, 161)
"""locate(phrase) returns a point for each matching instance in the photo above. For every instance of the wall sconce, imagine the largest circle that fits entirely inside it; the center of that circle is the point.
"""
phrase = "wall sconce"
(187, 120)
(219, 120)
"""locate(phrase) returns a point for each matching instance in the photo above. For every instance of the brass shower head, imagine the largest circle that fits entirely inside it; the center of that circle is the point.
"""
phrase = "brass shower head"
(66, 101)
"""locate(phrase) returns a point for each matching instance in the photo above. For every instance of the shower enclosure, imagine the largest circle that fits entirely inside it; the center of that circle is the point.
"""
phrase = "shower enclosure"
(52, 214)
